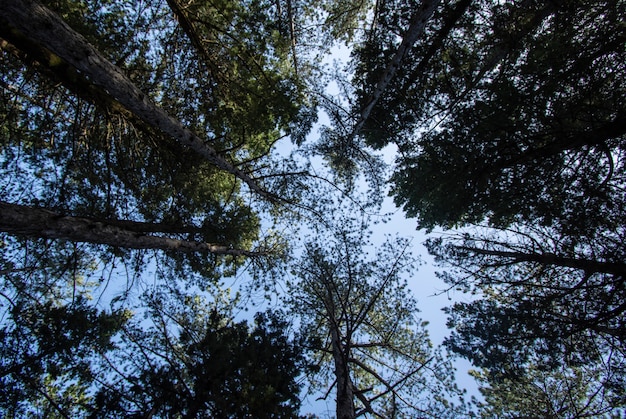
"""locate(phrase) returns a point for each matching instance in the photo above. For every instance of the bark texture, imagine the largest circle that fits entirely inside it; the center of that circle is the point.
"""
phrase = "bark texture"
(39, 222)
(345, 389)
(28, 19)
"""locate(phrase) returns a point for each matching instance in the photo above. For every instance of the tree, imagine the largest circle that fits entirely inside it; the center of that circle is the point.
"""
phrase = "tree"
(47, 352)
(130, 133)
(548, 308)
(418, 20)
(53, 325)
(341, 145)
(195, 361)
(574, 392)
(494, 125)
(181, 154)
(360, 319)
(511, 117)
(142, 134)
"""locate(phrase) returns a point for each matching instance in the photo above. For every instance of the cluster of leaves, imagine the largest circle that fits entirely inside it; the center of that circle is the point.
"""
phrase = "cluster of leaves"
(362, 328)
(195, 361)
(519, 109)
(510, 116)
(47, 353)
(63, 359)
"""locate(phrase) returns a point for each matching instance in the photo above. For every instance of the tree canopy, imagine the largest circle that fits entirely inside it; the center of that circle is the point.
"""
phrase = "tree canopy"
(508, 121)
(505, 112)
(154, 152)
(362, 327)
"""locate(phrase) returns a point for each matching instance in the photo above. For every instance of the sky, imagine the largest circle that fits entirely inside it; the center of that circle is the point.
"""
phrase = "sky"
(426, 287)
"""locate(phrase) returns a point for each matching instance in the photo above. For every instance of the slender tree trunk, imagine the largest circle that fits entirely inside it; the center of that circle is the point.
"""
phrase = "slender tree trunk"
(345, 390)
(38, 222)
(28, 19)
(416, 29)
(292, 35)
(455, 14)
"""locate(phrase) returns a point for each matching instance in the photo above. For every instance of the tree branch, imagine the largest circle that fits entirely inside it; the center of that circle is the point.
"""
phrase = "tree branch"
(547, 258)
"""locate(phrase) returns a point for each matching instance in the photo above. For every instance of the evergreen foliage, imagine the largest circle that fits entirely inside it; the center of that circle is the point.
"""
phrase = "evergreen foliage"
(143, 165)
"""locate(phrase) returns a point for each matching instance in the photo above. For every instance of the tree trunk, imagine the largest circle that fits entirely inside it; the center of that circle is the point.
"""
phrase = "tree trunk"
(38, 222)
(345, 391)
(418, 24)
(29, 20)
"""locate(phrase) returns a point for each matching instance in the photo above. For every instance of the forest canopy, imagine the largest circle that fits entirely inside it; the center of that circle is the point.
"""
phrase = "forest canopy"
(154, 152)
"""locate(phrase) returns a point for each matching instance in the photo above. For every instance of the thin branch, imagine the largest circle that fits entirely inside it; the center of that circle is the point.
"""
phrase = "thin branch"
(547, 258)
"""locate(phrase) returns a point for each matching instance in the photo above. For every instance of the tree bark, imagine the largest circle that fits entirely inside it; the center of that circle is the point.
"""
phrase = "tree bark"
(418, 24)
(42, 223)
(345, 390)
(52, 67)
(30, 20)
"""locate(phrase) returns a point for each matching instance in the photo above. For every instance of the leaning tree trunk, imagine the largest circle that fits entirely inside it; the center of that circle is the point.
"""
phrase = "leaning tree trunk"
(25, 22)
(39, 222)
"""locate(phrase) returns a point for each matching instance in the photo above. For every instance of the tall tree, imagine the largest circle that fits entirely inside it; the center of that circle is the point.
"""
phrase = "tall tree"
(137, 153)
(360, 319)
(195, 361)
(572, 392)
(503, 111)
(512, 115)
(125, 129)
(545, 304)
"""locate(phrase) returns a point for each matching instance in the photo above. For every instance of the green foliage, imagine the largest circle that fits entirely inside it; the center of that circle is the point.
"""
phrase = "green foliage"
(196, 361)
(46, 353)
(546, 308)
(345, 18)
(252, 94)
(504, 112)
(511, 115)
(68, 147)
(574, 392)
(354, 306)
(223, 70)
(182, 358)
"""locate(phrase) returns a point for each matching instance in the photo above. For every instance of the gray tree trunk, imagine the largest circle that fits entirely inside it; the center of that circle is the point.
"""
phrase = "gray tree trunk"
(33, 21)
(416, 29)
(345, 389)
(38, 222)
